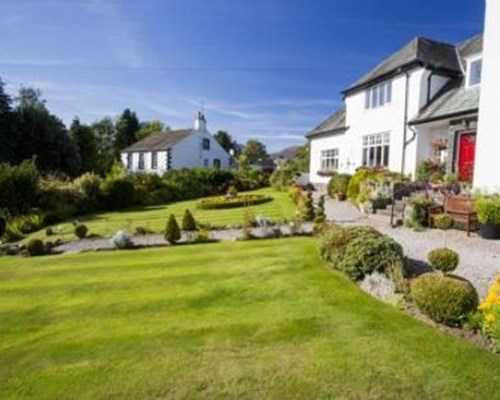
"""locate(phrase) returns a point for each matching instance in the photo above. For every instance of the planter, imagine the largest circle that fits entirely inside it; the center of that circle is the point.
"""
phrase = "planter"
(490, 231)
(340, 197)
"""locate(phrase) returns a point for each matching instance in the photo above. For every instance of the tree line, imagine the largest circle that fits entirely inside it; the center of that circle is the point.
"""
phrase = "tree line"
(28, 129)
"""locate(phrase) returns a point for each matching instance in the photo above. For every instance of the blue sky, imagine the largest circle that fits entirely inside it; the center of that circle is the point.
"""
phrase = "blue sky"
(265, 69)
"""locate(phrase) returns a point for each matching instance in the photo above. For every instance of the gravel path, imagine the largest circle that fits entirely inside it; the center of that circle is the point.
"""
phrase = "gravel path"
(479, 258)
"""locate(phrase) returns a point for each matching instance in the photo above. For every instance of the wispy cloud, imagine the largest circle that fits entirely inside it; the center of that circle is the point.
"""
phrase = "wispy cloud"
(119, 32)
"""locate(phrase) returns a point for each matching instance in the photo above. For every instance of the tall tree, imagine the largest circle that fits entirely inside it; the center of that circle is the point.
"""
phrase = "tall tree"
(226, 141)
(148, 128)
(43, 135)
(84, 138)
(127, 126)
(105, 134)
(7, 138)
(255, 151)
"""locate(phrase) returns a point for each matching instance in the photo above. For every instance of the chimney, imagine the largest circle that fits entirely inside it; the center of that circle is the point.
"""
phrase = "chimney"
(200, 122)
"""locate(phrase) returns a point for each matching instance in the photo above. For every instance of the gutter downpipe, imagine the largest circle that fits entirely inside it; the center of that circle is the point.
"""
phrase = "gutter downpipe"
(405, 127)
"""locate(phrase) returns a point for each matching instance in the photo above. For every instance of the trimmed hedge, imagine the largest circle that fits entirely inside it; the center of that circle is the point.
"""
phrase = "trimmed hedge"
(81, 231)
(359, 251)
(445, 299)
(241, 200)
(444, 259)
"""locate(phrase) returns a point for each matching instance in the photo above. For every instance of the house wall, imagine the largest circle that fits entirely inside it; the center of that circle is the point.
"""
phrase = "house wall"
(161, 162)
(327, 143)
(189, 153)
(487, 162)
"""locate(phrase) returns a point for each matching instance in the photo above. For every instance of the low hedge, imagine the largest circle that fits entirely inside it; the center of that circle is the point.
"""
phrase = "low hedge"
(444, 298)
(359, 251)
(241, 200)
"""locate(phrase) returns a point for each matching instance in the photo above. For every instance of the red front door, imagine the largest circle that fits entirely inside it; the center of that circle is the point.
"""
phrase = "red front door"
(466, 155)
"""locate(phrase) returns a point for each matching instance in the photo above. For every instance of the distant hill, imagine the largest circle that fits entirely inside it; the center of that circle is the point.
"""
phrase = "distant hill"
(288, 153)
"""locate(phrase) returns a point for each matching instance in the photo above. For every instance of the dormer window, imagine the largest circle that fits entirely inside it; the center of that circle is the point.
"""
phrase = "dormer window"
(378, 95)
(474, 71)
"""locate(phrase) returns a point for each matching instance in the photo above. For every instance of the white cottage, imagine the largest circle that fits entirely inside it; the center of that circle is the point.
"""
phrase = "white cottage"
(183, 148)
(422, 101)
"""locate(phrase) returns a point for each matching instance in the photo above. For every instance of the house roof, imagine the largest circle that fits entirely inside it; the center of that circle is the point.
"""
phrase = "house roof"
(420, 51)
(333, 124)
(159, 141)
(454, 99)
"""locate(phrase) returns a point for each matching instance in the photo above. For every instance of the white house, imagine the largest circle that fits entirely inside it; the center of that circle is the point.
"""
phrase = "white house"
(486, 173)
(420, 102)
(184, 148)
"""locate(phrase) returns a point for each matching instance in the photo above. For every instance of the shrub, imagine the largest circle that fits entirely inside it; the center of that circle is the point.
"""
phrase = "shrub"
(81, 231)
(203, 236)
(172, 232)
(307, 207)
(188, 222)
(358, 251)
(296, 194)
(18, 187)
(35, 247)
(141, 230)
(320, 211)
(49, 231)
(420, 215)
(338, 185)
(443, 222)
(444, 259)
(429, 170)
(490, 313)
(89, 186)
(12, 233)
(241, 200)
(444, 298)
(118, 193)
(122, 240)
(488, 209)
(283, 177)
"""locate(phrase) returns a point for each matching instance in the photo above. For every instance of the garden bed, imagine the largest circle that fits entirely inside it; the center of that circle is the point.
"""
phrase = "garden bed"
(240, 200)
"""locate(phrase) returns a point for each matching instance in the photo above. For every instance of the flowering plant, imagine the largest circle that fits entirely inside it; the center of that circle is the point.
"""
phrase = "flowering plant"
(490, 309)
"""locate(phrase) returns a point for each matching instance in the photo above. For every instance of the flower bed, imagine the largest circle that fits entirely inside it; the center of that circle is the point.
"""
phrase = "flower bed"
(240, 200)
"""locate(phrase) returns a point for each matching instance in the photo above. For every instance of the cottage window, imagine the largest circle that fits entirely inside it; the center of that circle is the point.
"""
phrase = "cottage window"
(376, 150)
(216, 163)
(206, 144)
(475, 70)
(141, 161)
(330, 160)
(378, 95)
(154, 160)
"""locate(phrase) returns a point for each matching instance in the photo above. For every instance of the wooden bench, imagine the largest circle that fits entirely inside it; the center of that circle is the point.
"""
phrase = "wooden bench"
(461, 209)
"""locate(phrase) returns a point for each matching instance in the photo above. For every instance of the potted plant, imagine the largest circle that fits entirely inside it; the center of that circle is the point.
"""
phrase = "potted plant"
(337, 187)
(488, 215)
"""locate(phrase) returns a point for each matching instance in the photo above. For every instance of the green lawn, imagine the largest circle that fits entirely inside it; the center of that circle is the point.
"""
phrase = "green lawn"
(155, 218)
(235, 320)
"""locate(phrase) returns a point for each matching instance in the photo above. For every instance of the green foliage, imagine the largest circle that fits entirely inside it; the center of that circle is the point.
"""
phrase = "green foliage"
(118, 189)
(429, 170)
(149, 128)
(172, 232)
(488, 209)
(307, 207)
(226, 141)
(443, 222)
(255, 151)
(446, 299)
(81, 231)
(444, 259)
(420, 215)
(320, 210)
(358, 251)
(3, 225)
(361, 175)
(284, 176)
(338, 185)
(127, 126)
(18, 187)
(225, 202)
(88, 186)
(85, 141)
(35, 247)
(188, 222)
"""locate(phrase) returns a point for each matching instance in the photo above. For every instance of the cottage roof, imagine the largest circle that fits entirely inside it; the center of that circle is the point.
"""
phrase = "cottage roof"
(336, 123)
(420, 51)
(159, 141)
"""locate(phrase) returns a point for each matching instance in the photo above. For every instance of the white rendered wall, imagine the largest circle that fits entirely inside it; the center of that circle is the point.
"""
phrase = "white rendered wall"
(487, 166)
(161, 162)
(327, 143)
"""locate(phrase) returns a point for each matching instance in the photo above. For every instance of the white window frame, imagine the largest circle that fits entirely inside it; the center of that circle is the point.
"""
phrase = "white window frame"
(140, 162)
(130, 161)
(205, 144)
(378, 95)
(470, 62)
(154, 160)
(376, 150)
(329, 160)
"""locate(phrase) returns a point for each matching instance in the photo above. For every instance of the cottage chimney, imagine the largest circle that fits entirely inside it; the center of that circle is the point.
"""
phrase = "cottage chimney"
(201, 122)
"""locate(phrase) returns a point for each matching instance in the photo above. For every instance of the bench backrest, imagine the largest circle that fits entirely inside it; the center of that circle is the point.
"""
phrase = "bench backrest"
(459, 204)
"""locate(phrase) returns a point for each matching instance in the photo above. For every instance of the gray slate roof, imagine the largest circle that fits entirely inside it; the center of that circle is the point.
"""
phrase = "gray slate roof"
(421, 50)
(333, 124)
(159, 141)
(454, 98)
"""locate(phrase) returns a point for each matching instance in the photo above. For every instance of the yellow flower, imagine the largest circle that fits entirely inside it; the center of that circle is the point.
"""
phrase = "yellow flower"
(490, 318)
